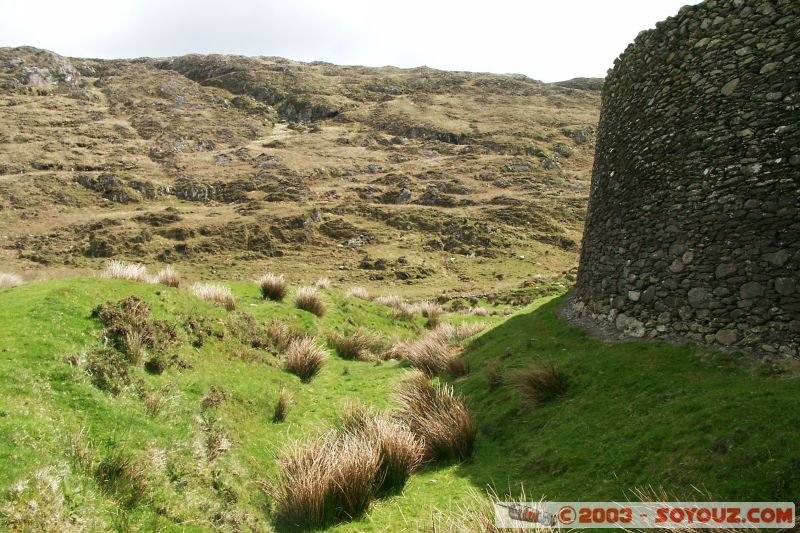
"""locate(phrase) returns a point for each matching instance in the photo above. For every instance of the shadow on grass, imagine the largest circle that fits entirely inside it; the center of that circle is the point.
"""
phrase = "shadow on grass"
(635, 414)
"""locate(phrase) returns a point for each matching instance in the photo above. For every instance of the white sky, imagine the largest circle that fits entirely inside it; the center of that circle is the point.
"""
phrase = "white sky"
(550, 40)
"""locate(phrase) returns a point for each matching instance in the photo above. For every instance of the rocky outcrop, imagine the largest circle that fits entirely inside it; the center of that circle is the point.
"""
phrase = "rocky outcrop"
(693, 227)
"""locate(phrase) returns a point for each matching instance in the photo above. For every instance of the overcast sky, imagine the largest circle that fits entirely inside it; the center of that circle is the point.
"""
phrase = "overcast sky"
(550, 40)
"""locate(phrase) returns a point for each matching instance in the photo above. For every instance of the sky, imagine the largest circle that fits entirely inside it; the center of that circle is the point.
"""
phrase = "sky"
(549, 40)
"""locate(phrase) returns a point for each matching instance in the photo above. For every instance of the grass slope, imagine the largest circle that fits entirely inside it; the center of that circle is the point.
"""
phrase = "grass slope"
(634, 414)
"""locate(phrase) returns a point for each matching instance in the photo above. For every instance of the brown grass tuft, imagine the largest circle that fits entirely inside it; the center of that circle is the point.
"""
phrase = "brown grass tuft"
(131, 271)
(282, 335)
(304, 358)
(432, 312)
(401, 451)
(542, 384)
(9, 280)
(307, 299)
(336, 476)
(438, 417)
(323, 283)
(215, 293)
(359, 292)
(281, 406)
(167, 276)
(358, 345)
(273, 287)
(328, 480)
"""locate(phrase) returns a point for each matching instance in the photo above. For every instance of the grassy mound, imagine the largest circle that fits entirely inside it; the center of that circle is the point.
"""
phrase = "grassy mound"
(193, 443)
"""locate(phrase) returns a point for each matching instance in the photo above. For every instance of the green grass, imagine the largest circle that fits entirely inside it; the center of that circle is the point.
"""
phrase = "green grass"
(634, 414)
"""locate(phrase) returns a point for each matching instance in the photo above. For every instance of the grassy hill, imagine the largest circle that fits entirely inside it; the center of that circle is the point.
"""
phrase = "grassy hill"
(191, 445)
(229, 166)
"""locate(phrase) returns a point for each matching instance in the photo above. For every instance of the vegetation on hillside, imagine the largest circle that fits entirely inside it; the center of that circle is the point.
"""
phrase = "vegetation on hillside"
(419, 179)
(130, 405)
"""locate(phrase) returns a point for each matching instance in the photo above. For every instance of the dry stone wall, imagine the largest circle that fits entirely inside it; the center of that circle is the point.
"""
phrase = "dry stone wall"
(693, 227)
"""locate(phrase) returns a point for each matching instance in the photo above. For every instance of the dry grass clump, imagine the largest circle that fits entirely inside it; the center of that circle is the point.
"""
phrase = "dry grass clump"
(458, 333)
(430, 353)
(282, 335)
(359, 292)
(358, 345)
(215, 293)
(167, 276)
(281, 406)
(304, 358)
(405, 311)
(390, 300)
(478, 311)
(307, 299)
(434, 353)
(131, 271)
(541, 384)
(326, 481)
(273, 287)
(323, 283)
(401, 451)
(338, 475)
(9, 280)
(120, 473)
(438, 417)
(38, 504)
(432, 312)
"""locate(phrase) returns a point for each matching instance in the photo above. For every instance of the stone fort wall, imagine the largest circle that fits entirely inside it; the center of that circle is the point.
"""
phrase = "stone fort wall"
(693, 228)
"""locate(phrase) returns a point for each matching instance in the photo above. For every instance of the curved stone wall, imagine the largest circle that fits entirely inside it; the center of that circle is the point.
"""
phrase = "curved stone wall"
(693, 227)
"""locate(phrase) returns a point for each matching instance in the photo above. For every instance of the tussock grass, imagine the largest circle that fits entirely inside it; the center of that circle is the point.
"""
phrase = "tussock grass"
(281, 406)
(434, 353)
(437, 416)
(338, 475)
(323, 283)
(390, 300)
(477, 311)
(401, 451)
(304, 358)
(430, 353)
(167, 276)
(9, 280)
(116, 269)
(327, 480)
(542, 384)
(307, 299)
(273, 287)
(120, 474)
(432, 312)
(358, 345)
(453, 333)
(405, 311)
(215, 293)
(359, 292)
(281, 335)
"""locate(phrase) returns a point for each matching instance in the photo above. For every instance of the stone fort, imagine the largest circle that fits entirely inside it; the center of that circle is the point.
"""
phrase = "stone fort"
(693, 227)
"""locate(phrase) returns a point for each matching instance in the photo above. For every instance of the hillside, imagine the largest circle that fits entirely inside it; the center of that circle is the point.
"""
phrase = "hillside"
(193, 446)
(423, 179)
